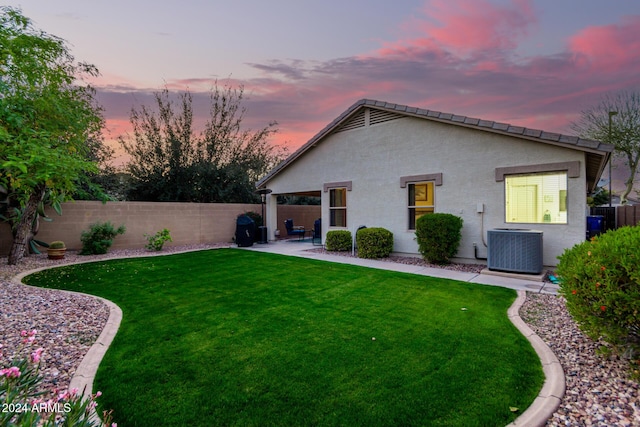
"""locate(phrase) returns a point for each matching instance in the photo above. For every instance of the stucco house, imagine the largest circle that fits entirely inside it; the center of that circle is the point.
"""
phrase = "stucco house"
(383, 165)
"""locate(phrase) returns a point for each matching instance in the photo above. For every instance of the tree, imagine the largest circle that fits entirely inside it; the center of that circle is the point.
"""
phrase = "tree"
(625, 130)
(106, 183)
(598, 198)
(46, 116)
(170, 162)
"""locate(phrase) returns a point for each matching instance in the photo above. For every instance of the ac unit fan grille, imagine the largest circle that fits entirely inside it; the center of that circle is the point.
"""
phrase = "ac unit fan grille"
(518, 251)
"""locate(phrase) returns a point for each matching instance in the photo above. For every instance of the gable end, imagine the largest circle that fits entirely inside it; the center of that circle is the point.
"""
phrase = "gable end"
(356, 122)
(368, 117)
(381, 116)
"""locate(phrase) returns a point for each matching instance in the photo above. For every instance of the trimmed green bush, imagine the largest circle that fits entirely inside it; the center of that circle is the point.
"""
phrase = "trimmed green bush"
(600, 280)
(99, 238)
(438, 236)
(375, 242)
(338, 240)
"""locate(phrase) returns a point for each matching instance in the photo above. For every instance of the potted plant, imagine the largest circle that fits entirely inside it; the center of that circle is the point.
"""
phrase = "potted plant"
(56, 250)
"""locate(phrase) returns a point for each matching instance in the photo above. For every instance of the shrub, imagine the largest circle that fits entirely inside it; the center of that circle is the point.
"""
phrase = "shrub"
(374, 242)
(156, 242)
(99, 238)
(600, 280)
(338, 240)
(438, 236)
(256, 217)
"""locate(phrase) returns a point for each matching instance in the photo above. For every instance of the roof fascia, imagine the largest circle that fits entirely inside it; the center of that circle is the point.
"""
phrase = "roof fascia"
(535, 135)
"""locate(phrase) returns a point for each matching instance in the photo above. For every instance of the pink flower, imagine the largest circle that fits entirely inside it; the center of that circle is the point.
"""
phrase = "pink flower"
(12, 372)
(30, 336)
(35, 356)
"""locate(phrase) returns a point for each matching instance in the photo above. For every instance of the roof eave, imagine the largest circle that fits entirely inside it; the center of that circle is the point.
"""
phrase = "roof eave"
(313, 141)
(535, 135)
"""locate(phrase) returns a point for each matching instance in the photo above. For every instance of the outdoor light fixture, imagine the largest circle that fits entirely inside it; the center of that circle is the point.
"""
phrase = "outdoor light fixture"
(263, 193)
(611, 114)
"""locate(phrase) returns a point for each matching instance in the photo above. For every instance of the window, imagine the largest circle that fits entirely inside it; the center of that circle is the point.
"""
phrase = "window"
(338, 207)
(536, 198)
(421, 201)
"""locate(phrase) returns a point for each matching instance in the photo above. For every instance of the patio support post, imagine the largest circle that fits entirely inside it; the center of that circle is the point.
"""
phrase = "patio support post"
(271, 210)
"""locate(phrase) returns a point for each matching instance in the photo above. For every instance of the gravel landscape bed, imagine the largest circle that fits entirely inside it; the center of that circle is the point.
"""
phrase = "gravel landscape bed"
(599, 391)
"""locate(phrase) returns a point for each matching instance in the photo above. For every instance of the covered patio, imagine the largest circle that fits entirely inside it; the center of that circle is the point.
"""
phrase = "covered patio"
(302, 215)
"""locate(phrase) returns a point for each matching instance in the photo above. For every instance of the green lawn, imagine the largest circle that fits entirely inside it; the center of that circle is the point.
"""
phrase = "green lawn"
(230, 337)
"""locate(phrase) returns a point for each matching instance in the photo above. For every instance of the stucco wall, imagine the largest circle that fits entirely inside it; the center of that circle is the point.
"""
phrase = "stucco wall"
(374, 158)
(188, 222)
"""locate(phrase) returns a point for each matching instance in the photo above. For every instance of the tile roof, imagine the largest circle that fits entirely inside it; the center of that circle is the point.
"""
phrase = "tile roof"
(598, 152)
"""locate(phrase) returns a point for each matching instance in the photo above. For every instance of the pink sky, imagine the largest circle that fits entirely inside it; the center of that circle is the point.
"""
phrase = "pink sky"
(533, 63)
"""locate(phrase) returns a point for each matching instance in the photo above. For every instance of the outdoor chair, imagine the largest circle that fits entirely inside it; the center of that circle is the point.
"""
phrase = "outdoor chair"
(294, 230)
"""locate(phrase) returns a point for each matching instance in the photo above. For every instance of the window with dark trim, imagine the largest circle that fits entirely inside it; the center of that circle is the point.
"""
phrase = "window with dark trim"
(421, 201)
(338, 207)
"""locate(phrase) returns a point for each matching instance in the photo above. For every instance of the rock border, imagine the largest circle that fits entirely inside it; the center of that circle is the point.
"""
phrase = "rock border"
(536, 415)
(550, 396)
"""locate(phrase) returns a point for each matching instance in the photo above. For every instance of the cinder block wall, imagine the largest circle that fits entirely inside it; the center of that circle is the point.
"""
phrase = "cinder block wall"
(189, 223)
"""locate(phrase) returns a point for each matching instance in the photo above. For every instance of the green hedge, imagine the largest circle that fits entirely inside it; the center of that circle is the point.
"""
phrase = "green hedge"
(375, 242)
(338, 240)
(438, 236)
(600, 280)
(99, 238)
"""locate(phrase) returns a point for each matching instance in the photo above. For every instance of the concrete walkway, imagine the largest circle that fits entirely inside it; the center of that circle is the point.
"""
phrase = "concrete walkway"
(519, 282)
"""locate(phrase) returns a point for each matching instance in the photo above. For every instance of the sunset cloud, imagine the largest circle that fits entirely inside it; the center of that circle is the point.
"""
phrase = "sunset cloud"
(463, 58)
(470, 26)
(608, 48)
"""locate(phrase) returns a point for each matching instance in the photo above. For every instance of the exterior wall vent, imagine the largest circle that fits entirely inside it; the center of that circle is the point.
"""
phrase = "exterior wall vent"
(514, 250)
(380, 116)
(356, 122)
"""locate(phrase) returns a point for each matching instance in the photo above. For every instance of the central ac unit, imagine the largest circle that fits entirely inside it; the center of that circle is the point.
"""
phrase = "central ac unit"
(514, 250)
